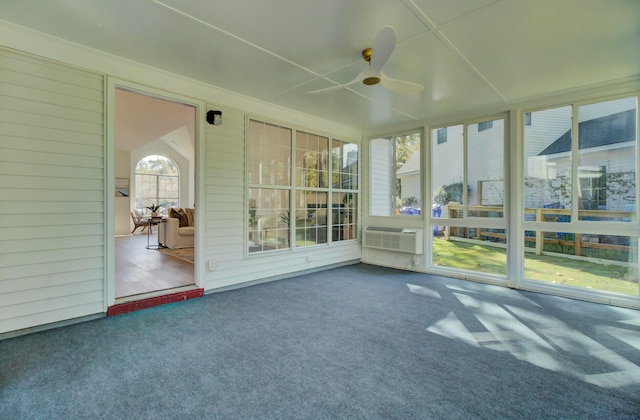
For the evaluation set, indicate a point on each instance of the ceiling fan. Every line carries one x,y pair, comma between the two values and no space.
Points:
377,56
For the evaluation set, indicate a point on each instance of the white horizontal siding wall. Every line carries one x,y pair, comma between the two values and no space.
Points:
51,192
380,177
226,217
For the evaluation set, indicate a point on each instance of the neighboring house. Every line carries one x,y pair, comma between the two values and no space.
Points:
606,168
409,176
484,145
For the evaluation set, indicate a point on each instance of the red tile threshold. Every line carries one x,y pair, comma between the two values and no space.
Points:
123,308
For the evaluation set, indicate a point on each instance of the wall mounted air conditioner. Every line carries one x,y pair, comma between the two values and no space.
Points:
393,239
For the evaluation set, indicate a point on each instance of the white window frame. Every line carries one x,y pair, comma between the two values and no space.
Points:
393,179
294,189
157,176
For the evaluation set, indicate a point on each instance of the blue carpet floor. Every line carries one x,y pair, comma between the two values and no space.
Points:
352,342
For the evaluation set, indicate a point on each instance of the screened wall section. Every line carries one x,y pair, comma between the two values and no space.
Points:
580,196
541,199
468,197
303,189
396,175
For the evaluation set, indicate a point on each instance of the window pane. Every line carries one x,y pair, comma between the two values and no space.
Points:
602,262
408,175
344,214
485,167
157,164
486,125
146,188
168,192
606,160
312,160
256,146
268,219
447,160
167,186
269,154
547,148
380,177
344,168
311,218
157,183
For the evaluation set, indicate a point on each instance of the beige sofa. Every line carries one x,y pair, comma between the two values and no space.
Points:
178,230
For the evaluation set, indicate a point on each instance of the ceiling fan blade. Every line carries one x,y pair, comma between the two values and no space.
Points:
330,88
383,45
400,86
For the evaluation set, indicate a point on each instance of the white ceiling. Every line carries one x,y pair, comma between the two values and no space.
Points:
140,120
469,54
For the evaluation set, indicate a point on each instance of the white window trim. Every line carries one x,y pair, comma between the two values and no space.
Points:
292,188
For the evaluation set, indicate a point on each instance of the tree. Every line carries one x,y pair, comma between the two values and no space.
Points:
446,193
406,146
156,164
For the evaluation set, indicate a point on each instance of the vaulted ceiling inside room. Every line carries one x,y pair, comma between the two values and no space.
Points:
468,54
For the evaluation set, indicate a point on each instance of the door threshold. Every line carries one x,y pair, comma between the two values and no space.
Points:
132,303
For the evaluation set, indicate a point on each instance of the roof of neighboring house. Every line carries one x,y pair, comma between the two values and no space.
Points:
410,167
611,129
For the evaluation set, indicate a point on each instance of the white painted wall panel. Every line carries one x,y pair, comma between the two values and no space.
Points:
70,267
52,110
51,192
63,310
47,70
45,244
49,280
33,144
39,232
48,134
380,177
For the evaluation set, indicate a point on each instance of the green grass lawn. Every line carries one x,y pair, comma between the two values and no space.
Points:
550,269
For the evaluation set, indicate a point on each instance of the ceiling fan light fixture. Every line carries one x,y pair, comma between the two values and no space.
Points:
372,80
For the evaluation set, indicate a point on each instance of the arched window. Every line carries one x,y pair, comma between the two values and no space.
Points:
157,182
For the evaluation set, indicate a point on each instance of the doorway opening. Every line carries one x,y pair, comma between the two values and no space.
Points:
154,167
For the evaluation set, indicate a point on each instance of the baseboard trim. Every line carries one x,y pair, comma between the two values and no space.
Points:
279,277
50,326
136,305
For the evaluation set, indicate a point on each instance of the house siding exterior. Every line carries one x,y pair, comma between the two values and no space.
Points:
52,195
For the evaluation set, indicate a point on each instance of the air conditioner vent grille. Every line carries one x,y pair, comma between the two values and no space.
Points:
393,239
